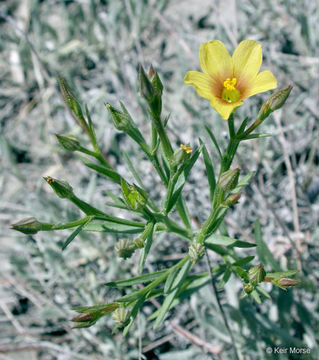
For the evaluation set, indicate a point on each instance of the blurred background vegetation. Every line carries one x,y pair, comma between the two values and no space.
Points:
97,46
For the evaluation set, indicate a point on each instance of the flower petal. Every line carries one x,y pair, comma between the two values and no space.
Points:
224,109
264,81
247,59
201,82
215,60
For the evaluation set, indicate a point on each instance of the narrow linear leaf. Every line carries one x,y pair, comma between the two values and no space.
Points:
111,227
256,297
212,136
243,261
216,239
137,280
172,294
132,170
182,179
209,171
242,126
282,274
255,136
170,279
263,252
243,244
225,278
75,233
263,292
133,314
146,248
112,174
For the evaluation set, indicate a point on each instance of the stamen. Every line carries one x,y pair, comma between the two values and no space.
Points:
230,93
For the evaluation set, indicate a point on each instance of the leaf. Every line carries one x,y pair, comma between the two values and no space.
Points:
216,239
255,136
147,246
112,174
133,314
244,181
172,294
170,279
243,244
225,278
111,227
75,233
263,252
209,171
243,261
217,249
180,182
255,296
231,126
241,273
282,274
263,292
242,126
183,212
212,136
137,280
132,169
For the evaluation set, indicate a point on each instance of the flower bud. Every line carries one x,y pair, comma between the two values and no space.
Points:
124,248
284,283
69,98
248,288
229,180
275,101
145,86
151,72
256,274
61,188
68,142
29,226
121,317
83,317
133,196
232,199
121,120
196,251
139,243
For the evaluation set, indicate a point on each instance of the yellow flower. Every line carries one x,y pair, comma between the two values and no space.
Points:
186,148
226,81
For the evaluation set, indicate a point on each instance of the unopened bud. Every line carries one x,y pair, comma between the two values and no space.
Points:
196,251
145,85
29,226
232,199
229,180
133,196
121,317
139,243
256,274
121,120
151,72
248,288
68,142
125,248
69,98
275,101
284,283
61,188
83,317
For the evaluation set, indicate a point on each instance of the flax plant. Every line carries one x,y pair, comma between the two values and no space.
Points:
225,82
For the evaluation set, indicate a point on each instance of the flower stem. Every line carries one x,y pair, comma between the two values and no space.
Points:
221,309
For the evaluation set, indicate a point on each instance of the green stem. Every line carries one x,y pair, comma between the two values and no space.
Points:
167,147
